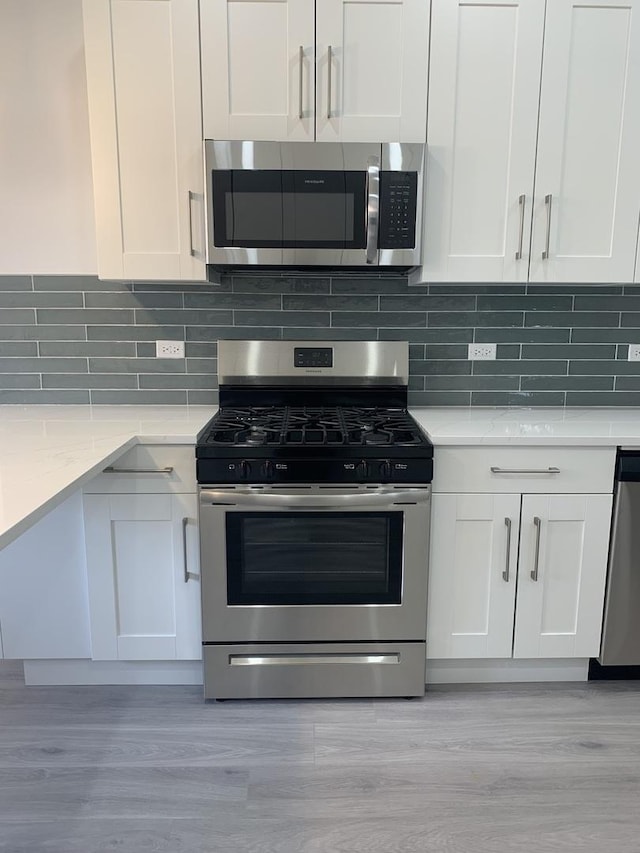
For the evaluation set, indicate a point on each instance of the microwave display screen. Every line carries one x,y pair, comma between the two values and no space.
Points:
289,209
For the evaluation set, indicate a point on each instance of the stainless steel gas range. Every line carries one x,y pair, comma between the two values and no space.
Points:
314,523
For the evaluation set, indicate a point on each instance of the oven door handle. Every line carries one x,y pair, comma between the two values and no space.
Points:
280,500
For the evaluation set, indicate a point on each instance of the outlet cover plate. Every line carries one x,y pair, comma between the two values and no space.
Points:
169,349
634,352
482,352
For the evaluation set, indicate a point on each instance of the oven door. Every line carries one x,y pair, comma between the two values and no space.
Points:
314,564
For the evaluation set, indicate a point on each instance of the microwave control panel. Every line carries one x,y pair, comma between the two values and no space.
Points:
398,193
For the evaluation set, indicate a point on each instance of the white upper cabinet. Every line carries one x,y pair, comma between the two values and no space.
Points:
483,106
372,59
563,561
587,194
500,113
304,70
258,69
145,114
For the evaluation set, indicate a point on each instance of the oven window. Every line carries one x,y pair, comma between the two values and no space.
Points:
314,557
289,209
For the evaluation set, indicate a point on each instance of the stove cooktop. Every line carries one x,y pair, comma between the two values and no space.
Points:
264,444
312,427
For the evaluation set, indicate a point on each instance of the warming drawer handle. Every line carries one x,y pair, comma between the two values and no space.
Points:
386,497
112,470
303,660
495,469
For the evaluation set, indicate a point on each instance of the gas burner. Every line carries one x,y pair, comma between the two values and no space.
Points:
380,427
252,426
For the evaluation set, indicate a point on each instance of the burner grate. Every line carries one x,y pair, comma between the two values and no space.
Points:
303,426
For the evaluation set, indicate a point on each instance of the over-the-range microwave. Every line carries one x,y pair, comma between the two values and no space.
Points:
308,204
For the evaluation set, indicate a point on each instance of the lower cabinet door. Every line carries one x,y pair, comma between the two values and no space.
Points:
143,576
472,575
563,564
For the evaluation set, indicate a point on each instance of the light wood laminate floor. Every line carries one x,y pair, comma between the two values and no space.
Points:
466,770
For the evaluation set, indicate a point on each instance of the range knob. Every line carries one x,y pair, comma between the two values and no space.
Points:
362,470
267,469
385,470
244,469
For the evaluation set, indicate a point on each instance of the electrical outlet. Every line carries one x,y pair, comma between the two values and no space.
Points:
482,352
634,352
169,349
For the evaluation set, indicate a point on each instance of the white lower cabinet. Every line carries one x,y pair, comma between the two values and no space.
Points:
551,548
564,542
143,575
472,575
43,588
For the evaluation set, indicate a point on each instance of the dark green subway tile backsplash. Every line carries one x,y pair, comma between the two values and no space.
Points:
74,339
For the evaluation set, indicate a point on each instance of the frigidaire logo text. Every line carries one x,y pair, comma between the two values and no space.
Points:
311,181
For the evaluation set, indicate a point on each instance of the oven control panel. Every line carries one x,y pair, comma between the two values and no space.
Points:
261,470
313,356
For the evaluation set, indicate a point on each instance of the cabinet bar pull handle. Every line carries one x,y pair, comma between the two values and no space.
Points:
521,205
112,470
329,63
301,60
185,522
497,470
536,557
547,202
505,574
191,249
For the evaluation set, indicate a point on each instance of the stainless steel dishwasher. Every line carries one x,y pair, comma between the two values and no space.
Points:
621,630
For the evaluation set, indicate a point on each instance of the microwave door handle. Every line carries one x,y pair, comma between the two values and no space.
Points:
373,208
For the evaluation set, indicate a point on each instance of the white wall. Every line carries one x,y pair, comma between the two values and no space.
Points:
46,199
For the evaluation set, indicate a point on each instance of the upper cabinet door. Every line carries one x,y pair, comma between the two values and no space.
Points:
371,75
588,172
258,69
143,80
484,76
564,542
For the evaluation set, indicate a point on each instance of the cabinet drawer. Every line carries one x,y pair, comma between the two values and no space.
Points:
144,471
528,470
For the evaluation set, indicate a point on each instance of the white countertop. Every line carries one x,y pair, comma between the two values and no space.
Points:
47,452
570,427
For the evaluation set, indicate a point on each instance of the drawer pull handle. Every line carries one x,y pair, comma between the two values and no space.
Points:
302,660
112,470
497,470
505,574
536,557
